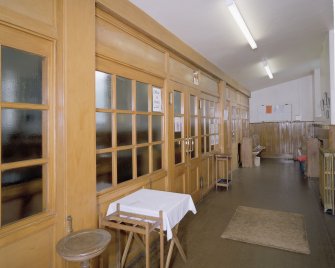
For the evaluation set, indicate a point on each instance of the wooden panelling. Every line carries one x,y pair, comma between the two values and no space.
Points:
183,73
35,15
34,250
147,25
281,139
121,46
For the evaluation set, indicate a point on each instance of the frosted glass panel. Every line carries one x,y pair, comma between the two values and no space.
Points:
141,97
193,126
157,157
156,128
124,129
124,166
193,105
21,76
178,127
177,152
21,135
103,90
104,171
104,130
142,128
21,193
177,103
123,93
142,161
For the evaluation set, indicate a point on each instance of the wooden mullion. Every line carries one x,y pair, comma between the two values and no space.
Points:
133,130
150,129
105,150
24,106
46,189
0,136
21,164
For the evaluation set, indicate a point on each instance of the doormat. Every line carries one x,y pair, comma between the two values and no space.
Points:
276,229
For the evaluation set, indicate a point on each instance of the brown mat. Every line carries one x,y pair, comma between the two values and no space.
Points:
277,229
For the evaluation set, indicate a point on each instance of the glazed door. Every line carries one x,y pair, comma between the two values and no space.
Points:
186,143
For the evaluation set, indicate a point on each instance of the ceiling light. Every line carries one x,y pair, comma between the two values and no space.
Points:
240,22
267,69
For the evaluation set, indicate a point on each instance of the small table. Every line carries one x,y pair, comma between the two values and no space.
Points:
145,203
227,173
83,245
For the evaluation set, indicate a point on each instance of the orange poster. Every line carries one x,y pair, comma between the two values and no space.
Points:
268,109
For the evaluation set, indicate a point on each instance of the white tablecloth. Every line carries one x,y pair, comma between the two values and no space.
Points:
150,202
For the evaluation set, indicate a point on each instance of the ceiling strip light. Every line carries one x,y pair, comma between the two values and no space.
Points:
267,69
240,22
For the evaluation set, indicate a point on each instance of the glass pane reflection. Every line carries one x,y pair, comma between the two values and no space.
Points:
123,93
124,129
141,97
142,161
21,76
103,89
21,135
157,157
103,130
124,166
104,171
21,193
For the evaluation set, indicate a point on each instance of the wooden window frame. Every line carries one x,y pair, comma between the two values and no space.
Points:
135,76
28,42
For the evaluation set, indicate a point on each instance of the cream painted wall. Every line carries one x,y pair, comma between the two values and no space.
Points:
298,93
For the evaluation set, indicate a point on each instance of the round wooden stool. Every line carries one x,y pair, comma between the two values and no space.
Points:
83,245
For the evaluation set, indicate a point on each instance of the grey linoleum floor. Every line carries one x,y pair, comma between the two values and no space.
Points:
276,185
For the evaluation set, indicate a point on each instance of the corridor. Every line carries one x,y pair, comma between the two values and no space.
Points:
276,185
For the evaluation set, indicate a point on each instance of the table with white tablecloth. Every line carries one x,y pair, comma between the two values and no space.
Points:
172,206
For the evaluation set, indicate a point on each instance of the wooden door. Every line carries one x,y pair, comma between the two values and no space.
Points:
184,140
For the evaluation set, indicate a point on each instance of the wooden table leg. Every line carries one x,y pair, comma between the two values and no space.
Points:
176,241
126,250
147,249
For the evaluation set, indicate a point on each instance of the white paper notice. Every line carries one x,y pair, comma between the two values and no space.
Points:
156,99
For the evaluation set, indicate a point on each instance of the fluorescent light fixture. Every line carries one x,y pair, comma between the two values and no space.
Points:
267,69
240,22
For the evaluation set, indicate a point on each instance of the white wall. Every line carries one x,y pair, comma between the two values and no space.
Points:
298,93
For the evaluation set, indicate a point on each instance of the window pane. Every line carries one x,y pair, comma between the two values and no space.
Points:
202,126
142,161
203,107
156,128
142,128
177,152
103,90
104,130
124,166
193,126
141,97
21,74
194,145
104,171
124,129
21,135
207,144
123,93
178,127
193,105
157,157
207,125
177,102
203,144
21,193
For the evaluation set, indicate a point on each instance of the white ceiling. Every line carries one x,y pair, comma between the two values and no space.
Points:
289,33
